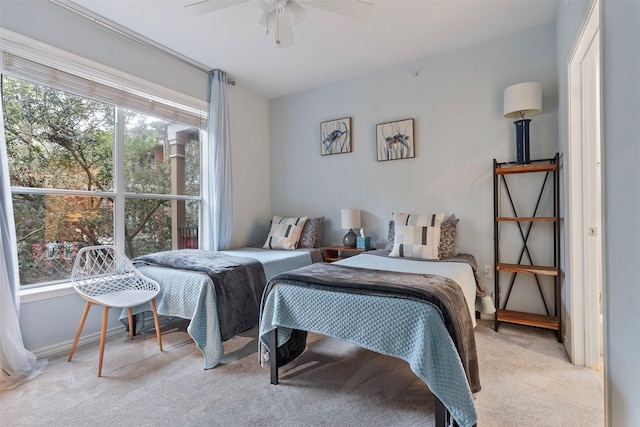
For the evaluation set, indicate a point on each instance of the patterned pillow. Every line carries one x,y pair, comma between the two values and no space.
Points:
391,236
415,220
423,220
448,231
416,241
312,233
284,233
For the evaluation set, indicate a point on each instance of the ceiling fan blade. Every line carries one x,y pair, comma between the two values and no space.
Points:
356,9
296,12
207,6
268,20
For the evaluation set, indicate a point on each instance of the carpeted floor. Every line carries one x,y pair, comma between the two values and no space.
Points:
526,377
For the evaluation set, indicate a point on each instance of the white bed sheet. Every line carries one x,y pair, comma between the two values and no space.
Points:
460,272
274,261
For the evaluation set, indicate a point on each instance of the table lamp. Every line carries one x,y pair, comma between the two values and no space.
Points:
520,100
350,218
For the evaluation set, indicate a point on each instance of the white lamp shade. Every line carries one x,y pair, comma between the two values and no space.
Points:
522,99
350,218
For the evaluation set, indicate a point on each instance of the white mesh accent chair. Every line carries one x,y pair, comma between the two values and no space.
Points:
103,275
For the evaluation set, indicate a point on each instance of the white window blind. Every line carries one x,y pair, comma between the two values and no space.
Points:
103,91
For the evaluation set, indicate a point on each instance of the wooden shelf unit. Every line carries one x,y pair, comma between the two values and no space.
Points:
552,320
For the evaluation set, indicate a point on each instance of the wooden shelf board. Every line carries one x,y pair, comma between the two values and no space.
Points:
526,168
527,218
346,249
337,253
520,268
527,319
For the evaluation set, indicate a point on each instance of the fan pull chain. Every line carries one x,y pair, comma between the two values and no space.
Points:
278,26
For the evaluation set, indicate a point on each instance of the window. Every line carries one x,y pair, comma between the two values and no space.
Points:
87,170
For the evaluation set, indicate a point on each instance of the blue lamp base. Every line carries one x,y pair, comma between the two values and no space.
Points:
522,141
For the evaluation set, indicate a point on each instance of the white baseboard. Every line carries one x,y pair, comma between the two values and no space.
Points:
65,346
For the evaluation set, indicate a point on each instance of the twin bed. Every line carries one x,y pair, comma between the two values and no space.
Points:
422,311
219,292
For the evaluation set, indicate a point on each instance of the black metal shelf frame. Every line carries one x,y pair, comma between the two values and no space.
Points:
525,263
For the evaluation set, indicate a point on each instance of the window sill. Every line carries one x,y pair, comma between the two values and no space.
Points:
46,292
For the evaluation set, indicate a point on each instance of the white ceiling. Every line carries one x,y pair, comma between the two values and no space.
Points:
327,47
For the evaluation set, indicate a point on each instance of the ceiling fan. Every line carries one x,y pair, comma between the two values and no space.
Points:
280,15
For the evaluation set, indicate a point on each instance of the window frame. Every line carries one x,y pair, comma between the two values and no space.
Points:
23,47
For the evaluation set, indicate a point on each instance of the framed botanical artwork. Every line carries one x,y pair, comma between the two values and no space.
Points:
394,140
335,136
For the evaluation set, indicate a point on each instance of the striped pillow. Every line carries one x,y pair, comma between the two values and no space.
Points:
432,220
284,233
417,235
413,241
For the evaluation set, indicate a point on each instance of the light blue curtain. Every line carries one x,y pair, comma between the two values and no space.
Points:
217,206
16,362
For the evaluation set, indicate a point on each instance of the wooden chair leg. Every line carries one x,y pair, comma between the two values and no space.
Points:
130,315
157,322
103,337
80,327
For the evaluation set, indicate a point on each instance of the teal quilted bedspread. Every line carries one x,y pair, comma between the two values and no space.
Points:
410,330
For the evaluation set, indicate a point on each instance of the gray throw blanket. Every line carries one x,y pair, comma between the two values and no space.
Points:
441,292
238,282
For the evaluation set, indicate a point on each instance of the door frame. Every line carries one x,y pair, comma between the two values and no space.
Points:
585,298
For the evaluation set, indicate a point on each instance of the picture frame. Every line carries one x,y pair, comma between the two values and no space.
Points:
335,136
394,140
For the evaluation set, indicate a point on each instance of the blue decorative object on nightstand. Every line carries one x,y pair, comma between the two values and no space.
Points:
363,242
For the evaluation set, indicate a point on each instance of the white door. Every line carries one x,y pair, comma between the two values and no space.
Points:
585,198
592,204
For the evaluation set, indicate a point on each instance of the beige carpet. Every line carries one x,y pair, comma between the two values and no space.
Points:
526,381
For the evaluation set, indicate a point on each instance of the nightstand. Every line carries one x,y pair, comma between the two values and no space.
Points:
336,253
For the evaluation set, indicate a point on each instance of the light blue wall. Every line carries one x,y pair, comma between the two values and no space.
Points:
621,73
456,100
